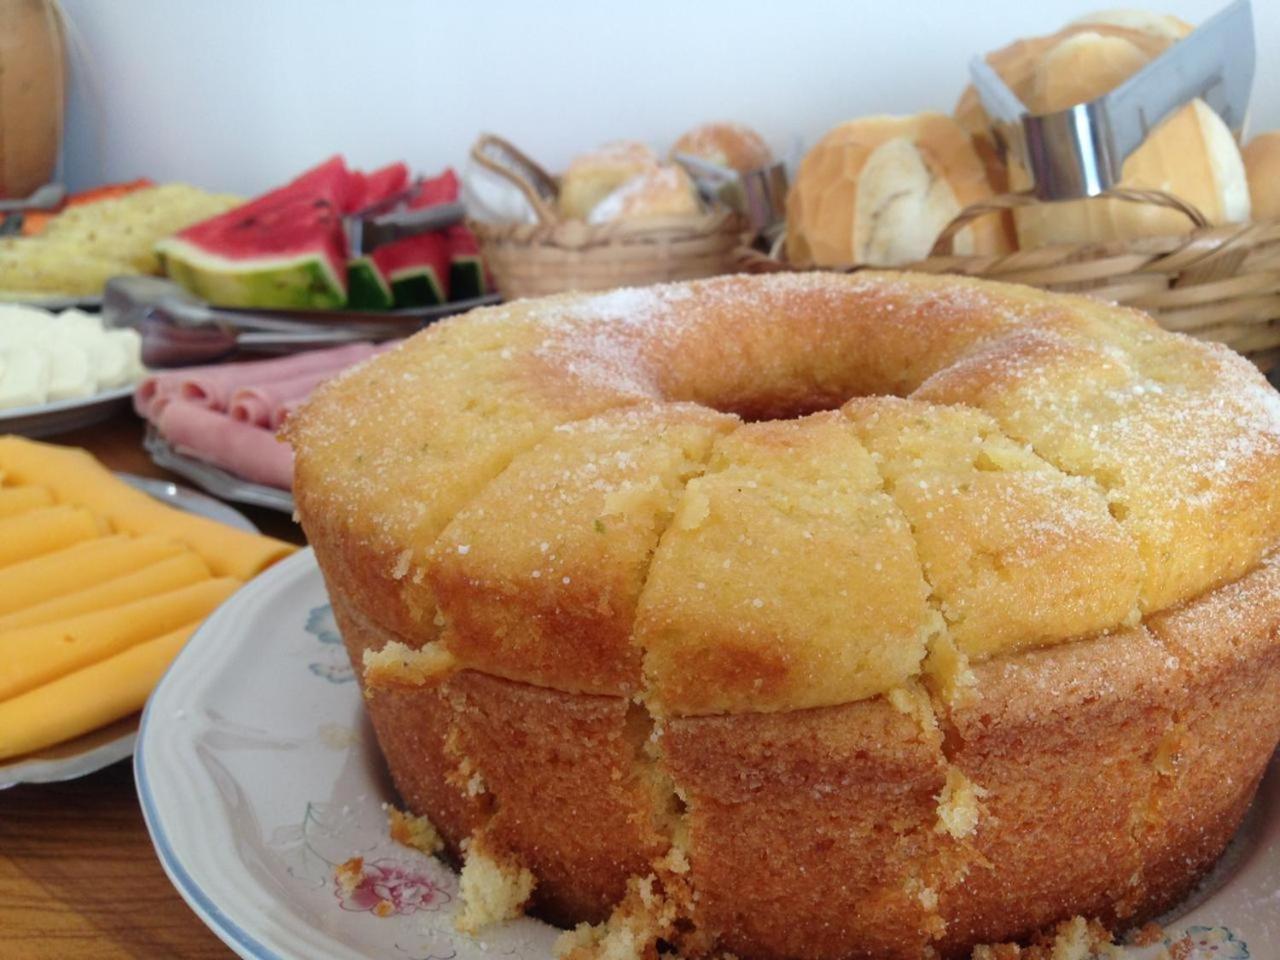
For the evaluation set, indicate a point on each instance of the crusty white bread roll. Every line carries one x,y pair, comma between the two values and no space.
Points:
662,191
1192,155
732,145
1080,67
1163,25
594,175
1262,166
879,190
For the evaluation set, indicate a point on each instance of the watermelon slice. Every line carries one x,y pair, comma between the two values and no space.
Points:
384,183
367,288
284,249
413,272
417,268
437,190
467,276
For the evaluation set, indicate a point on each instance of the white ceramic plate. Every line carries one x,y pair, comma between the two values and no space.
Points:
258,774
63,415
104,746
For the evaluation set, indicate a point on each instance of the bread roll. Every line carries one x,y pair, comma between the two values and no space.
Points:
663,191
1262,166
1192,154
879,190
730,145
1017,63
593,176
1157,25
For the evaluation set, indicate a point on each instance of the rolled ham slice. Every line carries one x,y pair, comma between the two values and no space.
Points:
212,386
266,404
240,448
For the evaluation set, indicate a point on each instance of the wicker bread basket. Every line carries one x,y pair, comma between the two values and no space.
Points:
1217,283
555,255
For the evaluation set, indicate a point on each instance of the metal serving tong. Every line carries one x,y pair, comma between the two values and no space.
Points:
1080,151
384,223
759,195
178,329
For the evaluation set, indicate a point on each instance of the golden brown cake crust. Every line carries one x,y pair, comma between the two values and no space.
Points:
1107,789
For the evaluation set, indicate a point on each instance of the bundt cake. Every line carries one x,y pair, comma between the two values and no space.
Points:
809,616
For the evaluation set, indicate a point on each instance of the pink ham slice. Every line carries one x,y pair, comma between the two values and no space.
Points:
240,448
212,386
264,404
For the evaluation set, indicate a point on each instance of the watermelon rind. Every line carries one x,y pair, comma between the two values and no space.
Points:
418,287
305,281
367,288
466,278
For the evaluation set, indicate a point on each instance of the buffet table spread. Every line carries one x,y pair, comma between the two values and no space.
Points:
78,875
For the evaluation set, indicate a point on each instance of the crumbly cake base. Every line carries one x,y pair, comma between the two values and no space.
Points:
1111,772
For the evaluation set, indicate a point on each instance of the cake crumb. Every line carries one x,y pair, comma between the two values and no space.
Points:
959,806
1074,939
348,874
1149,935
464,777
400,664
413,831
493,889
655,909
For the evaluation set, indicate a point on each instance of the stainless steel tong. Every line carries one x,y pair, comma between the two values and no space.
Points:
1080,151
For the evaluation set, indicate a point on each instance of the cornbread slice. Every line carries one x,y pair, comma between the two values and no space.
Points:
1017,553
1228,666
388,453
538,577
788,579
1093,708
1185,446
863,779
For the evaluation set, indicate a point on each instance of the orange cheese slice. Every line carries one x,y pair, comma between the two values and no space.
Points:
77,567
158,578
31,656
87,698
74,476
21,499
41,531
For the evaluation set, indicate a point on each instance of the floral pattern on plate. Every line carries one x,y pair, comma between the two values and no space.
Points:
1207,943
335,667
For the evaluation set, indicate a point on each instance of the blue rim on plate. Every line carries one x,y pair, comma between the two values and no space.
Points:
226,929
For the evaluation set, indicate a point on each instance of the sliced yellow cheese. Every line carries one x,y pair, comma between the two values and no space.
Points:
76,477
41,531
162,577
21,499
77,567
31,656
88,698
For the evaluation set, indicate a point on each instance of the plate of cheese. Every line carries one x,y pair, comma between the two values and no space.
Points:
61,371
102,579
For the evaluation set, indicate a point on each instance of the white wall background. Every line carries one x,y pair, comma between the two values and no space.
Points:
242,94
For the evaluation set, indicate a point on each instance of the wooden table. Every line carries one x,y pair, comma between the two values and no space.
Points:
78,876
